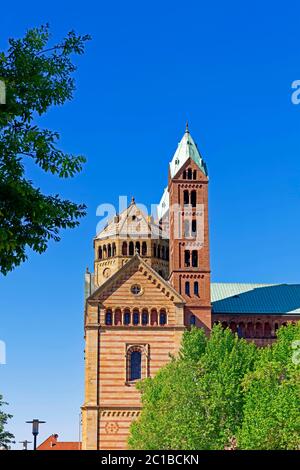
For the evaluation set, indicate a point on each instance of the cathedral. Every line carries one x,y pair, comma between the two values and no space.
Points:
151,281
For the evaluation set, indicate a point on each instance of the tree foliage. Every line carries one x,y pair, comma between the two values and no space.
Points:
195,402
36,76
221,390
6,438
272,406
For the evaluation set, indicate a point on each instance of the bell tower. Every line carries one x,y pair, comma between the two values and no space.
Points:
189,239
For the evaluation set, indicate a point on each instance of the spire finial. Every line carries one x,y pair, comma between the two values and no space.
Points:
187,127
132,199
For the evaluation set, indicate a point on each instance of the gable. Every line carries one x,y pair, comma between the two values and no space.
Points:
117,289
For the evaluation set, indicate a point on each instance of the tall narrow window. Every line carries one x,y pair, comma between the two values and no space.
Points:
189,174
108,317
162,318
158,251
196,288
187,288
194,174
100,252
193,198
192,320
187,256
131,248
144,249
136,317
104,252
126,319
154,250
167,254
109,250
195,258
114,251
138,247
194,228
124,249
145,317
184,174
186,198
118,317
135,371
163,252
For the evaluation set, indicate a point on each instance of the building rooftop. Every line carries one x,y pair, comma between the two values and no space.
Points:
186,149
265,299
244,298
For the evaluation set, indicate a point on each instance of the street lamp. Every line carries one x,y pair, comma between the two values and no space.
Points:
35,429
25,444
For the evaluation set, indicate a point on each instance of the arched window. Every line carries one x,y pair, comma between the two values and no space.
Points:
158,251
196,288
232,326
193,198
144,249
189,174
154,250
131,248
126,318
241,330
194,174
187,288
118,317
114,250
194,228
109,250
162,317
187,256
104,252
135,365
258,330
186,198
100,252
184,174
267,330
136,317
108,317
145,317
192,320
124,249
138,247
249,330
195,258
153,317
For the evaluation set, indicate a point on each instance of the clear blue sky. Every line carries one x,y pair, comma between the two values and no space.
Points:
227,67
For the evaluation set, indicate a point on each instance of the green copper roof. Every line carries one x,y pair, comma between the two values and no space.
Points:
186,149
265,299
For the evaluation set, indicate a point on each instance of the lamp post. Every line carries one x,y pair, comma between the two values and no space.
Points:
25,444
35,429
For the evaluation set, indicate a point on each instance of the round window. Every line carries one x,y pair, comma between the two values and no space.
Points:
136,289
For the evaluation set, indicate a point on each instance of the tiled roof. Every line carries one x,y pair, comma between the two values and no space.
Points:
268,299
51,443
